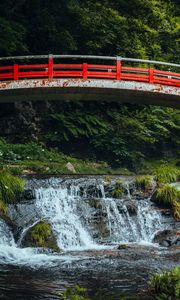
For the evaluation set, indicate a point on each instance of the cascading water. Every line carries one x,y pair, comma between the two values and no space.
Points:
68,206
69,211
60,207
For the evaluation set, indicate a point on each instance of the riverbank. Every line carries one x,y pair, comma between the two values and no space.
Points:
33,158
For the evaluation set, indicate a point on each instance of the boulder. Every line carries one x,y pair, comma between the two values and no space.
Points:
70,167
123,247
131,207
168,237
28,194
40,235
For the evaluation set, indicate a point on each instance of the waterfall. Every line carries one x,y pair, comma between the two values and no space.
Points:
83,215
67,208
59,206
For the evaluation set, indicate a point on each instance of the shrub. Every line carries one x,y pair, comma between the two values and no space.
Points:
167,285
143,182
10,186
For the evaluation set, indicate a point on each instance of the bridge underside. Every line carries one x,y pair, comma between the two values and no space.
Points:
90,89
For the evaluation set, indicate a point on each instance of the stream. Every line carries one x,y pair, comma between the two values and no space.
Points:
106,244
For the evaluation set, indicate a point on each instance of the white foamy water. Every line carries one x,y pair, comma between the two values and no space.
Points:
65,207
59,206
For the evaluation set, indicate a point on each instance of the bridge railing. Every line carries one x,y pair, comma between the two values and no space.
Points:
112,71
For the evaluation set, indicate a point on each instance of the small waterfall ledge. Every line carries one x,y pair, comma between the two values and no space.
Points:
83,215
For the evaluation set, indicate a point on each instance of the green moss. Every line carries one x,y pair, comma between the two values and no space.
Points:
143,182
41,235
166,285
10,186
169,197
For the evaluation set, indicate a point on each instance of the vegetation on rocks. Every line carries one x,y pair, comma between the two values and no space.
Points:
10,187
118,190
95,203
168,196
167,174
41,235
75,293
166,285
144,182
3,208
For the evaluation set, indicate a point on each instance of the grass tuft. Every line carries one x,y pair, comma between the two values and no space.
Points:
10,186
166,285
168,196
143,182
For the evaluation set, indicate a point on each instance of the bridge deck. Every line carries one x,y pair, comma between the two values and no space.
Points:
107,78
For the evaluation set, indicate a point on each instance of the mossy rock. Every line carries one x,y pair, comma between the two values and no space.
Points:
119,189
41,235
95,203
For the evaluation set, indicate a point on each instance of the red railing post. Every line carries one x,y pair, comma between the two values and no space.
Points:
50,67
85,69
118,69
15,72
151,75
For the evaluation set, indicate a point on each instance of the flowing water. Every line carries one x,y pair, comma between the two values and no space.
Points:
88,225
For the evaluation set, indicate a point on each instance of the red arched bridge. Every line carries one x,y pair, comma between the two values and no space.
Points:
80,77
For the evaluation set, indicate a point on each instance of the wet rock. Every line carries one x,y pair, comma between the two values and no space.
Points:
29,194
168,238
41,235
122,247
95,203
23,214
131,207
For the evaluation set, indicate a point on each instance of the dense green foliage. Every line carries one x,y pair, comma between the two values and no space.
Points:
167,285
34,158
121,135
139,28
